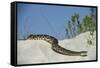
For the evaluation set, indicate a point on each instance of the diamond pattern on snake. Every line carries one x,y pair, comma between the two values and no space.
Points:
55,46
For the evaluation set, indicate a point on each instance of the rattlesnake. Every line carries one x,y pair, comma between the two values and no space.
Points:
55,47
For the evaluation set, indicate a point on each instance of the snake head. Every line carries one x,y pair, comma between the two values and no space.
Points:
83,53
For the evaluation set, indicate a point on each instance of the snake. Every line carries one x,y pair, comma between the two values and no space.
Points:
55,46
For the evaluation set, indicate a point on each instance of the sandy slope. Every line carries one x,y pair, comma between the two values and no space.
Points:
39,51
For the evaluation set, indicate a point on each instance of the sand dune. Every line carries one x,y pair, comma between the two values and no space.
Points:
39,51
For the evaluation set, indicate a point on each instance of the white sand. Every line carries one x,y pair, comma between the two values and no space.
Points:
39,51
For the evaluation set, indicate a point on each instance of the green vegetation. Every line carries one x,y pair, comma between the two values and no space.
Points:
75,27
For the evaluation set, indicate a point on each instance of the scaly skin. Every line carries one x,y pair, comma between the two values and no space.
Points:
55,47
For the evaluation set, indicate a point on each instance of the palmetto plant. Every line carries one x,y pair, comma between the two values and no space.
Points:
74,26
70,28
78,23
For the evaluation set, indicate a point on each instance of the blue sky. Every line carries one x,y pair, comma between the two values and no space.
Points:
46,19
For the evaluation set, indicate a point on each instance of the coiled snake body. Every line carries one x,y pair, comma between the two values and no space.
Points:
55,47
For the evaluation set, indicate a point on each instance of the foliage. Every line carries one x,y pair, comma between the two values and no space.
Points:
75,27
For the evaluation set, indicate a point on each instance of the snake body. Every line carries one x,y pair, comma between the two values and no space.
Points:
55,47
